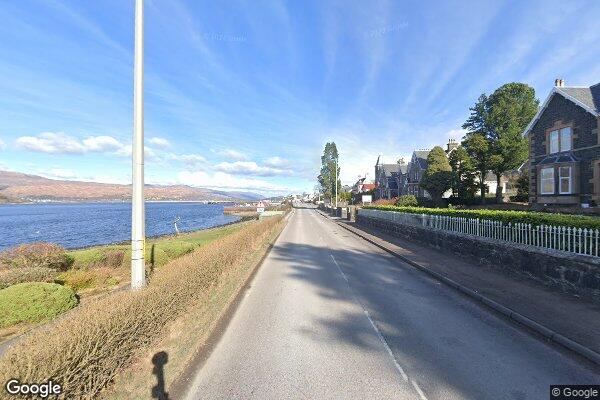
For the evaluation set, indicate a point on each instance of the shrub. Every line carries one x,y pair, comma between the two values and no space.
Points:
45,255
527,217
111,259
407,200
86,349
383,202
28,274
34,302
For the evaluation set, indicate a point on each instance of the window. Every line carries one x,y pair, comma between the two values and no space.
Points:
554,148
565,139
560,140
547,180
565,180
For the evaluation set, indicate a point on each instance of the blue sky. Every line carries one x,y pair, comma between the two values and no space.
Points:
244,94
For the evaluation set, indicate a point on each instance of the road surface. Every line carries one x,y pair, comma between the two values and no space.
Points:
330,316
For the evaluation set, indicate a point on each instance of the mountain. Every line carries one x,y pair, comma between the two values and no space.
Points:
18,187
249,196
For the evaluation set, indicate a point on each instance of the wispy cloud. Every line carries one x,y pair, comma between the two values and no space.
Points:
250,168
159,142
233,154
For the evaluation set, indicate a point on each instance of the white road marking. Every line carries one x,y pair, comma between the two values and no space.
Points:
380,335
418,389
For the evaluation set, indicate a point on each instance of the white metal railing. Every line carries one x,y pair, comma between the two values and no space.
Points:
562,238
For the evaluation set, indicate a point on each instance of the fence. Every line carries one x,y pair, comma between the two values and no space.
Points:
562,238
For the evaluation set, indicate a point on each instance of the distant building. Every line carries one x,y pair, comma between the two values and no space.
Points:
389,179
416,169
564,146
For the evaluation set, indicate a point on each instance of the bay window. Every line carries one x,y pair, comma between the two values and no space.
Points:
564,176
547,181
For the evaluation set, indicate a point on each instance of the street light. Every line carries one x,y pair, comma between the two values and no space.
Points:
138,230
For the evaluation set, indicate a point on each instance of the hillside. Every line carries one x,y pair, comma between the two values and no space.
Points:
18,187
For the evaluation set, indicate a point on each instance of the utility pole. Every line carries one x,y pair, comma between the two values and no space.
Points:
138,229
336,179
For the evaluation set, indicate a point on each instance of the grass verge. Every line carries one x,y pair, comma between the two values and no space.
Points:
86,349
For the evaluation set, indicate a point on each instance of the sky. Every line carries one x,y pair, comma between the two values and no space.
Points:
243,95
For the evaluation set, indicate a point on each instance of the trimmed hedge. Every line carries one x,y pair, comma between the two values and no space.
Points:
34,302
527,217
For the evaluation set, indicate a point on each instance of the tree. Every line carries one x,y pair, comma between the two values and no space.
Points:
437,178
326,178
499,120
511,107
477,148
463,174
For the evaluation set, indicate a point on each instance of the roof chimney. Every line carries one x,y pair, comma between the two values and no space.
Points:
452,144
558,82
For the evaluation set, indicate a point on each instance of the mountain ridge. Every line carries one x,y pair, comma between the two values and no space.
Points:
16,187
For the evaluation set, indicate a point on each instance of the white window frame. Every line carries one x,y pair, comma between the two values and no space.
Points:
569,178
570,139
546,179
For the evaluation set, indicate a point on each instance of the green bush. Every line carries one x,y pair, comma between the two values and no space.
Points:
34,302
30,274
35,255
407,200
527,217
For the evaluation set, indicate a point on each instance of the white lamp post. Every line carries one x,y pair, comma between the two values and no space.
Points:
138,230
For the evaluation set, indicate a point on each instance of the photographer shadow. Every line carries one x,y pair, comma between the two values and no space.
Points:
159,360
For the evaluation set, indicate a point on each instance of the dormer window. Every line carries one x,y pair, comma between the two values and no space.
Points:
560,140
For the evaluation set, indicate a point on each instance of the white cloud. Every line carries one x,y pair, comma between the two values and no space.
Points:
2,144
233,154
161,143
189,159
250,168
61,143
102,144
221,180
276,162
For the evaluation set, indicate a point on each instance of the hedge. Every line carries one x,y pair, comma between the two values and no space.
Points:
34,302
89,346
527,217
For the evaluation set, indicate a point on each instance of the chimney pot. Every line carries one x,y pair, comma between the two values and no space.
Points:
558,82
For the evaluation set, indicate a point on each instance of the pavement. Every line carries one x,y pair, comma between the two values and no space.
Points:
332,316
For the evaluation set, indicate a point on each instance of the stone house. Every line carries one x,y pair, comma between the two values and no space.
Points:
416,169
564,147
389,178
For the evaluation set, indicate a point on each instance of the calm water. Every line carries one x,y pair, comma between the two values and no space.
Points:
80,225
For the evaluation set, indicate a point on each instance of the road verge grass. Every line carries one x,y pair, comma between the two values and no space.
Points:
88,347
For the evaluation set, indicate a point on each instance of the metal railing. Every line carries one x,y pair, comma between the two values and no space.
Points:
562,238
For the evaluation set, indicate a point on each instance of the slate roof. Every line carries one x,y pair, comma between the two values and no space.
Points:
421,158
391,169
587,98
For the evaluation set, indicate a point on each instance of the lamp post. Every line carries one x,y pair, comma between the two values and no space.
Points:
138,230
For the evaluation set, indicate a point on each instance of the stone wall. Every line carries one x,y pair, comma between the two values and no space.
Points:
572,273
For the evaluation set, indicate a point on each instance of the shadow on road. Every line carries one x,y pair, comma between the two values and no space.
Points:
159,360
459,347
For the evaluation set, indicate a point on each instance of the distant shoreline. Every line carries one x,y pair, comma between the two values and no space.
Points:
204,202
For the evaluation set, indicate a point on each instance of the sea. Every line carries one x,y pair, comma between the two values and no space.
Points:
77,225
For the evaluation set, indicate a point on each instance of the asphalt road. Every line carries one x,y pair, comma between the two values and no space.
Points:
330,316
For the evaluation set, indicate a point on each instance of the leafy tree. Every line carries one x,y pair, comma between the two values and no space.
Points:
463,174
437,178
499,121
326,178
477,147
